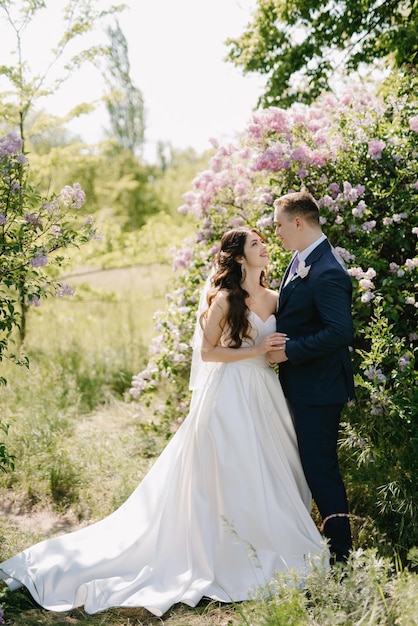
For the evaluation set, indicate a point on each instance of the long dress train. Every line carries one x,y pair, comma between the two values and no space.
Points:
223,508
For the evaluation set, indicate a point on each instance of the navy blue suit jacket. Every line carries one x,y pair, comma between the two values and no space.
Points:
315,313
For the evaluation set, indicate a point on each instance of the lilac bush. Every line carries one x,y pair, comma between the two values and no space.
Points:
34,231
358,155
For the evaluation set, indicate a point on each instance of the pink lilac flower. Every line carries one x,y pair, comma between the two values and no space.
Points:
413,123
366,284
350,193
415,230
182,258
398,217
393,267
356,272
55,230
415,185
370,273
411,264
410,300
376,147
358,211
73,196
387,221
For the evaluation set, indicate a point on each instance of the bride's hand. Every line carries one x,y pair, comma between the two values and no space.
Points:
275,341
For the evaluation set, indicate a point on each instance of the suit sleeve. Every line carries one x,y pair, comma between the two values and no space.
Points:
332,303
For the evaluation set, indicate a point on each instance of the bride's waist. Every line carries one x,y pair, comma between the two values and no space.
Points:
257,361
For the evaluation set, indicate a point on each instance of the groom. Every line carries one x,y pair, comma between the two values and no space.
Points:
315,367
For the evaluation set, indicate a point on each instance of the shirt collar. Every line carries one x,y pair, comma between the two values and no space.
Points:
303,255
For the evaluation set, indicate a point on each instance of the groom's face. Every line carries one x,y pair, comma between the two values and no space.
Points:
286,229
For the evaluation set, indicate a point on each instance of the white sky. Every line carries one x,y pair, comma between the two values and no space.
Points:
176,50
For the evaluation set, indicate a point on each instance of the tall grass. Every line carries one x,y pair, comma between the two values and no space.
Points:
83,352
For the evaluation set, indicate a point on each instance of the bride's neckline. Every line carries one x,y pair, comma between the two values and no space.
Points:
260,318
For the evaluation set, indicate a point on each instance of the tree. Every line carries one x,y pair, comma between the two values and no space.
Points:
80,18
124,103
299,44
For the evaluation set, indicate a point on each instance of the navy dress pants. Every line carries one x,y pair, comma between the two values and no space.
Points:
317,432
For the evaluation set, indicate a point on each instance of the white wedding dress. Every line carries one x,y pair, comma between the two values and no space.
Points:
223,508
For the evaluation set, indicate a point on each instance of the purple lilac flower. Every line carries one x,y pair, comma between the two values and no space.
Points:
33,300
10,144
39,260
344,254
3,220
64,290
368,226
404,361
34,220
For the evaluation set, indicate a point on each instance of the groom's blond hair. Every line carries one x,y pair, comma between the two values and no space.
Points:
299,203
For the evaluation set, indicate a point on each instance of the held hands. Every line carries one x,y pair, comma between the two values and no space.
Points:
276,352
274,344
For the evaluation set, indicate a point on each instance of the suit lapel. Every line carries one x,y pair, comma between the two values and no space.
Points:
286,274
285,291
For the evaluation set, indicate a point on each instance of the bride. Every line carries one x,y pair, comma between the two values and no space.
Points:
226,504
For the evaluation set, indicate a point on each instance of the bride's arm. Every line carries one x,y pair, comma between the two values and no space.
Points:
213,351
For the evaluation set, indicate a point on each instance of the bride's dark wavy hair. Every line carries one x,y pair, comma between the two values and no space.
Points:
228,276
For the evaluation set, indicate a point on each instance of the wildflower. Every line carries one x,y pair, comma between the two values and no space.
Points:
3,220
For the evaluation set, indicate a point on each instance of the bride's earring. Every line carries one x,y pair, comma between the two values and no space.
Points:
242,271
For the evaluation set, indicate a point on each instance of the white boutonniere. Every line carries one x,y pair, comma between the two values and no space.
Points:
302,271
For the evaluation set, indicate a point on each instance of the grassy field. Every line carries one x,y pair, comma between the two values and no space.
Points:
81,450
